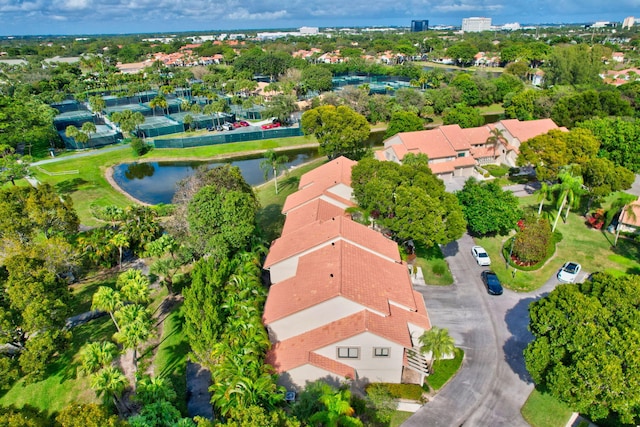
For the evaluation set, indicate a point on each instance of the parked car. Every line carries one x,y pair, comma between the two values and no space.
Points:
491,282
228,126
569,272
236,125
481,256
219,128
244,123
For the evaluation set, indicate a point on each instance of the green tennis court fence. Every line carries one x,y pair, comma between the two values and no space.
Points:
226,137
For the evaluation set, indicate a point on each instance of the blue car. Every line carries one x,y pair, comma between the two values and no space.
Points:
492,282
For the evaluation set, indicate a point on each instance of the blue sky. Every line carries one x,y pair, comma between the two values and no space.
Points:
33,17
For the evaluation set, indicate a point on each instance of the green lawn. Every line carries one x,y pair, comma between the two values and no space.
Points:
543,410
593,249
270,219
64,383
444,370
89,186
434,267
399,417
171,357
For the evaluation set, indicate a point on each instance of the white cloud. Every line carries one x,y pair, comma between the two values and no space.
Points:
244,14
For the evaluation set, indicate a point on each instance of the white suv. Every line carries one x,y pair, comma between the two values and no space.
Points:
481,256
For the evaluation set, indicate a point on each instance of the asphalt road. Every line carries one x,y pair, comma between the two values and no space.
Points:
492,384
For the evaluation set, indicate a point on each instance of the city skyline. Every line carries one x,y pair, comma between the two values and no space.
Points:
82,17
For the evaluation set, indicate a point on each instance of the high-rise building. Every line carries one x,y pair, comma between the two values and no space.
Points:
476,24
628,22
417,26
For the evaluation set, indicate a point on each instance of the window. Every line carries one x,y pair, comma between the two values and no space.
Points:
348,352
461,154
381,351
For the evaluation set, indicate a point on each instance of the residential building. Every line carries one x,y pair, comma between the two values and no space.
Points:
629,220
476,24
418,26
341,303
453,151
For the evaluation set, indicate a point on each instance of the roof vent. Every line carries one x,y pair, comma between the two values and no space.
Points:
330,274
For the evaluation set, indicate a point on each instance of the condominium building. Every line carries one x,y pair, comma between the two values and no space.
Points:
476,24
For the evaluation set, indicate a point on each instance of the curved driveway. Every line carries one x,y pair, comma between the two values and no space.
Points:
492,384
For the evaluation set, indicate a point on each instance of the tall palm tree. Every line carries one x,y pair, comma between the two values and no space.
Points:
569,189
120,241
496,136
109,382
438,342
97,355
273,162
135,329
543,194
88,128
109,300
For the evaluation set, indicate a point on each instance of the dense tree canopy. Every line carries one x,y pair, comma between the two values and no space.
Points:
408,199
487,208
339,130
584,348
463,115
403,121
555,149
619,140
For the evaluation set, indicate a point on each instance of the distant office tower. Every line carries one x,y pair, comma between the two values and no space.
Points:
628,22
475,24
417,26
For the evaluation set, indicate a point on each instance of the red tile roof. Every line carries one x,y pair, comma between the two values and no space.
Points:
319,181
478,135
455,137
317,210
319,233
311,193
341,269
299,350
336,171
633,219
431,142
528,129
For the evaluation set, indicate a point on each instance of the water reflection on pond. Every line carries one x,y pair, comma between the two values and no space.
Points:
155,182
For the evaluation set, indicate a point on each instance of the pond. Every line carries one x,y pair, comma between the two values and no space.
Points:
155,182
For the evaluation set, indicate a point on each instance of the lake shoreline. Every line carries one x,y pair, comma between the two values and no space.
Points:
109,171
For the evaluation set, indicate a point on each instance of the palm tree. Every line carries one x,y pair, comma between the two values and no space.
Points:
121,241
150,390
338,410
88,128
109,382
438,342
495,138
97,355
569,188
136,328
273,162
109,300
134,286
543,194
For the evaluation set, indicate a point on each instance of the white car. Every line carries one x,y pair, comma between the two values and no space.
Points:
481,256
569,272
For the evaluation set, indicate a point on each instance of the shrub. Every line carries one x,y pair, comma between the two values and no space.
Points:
497,171
532,242
139,147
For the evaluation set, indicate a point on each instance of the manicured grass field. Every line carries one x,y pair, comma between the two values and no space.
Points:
543,410
434,267
399,417
593,249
